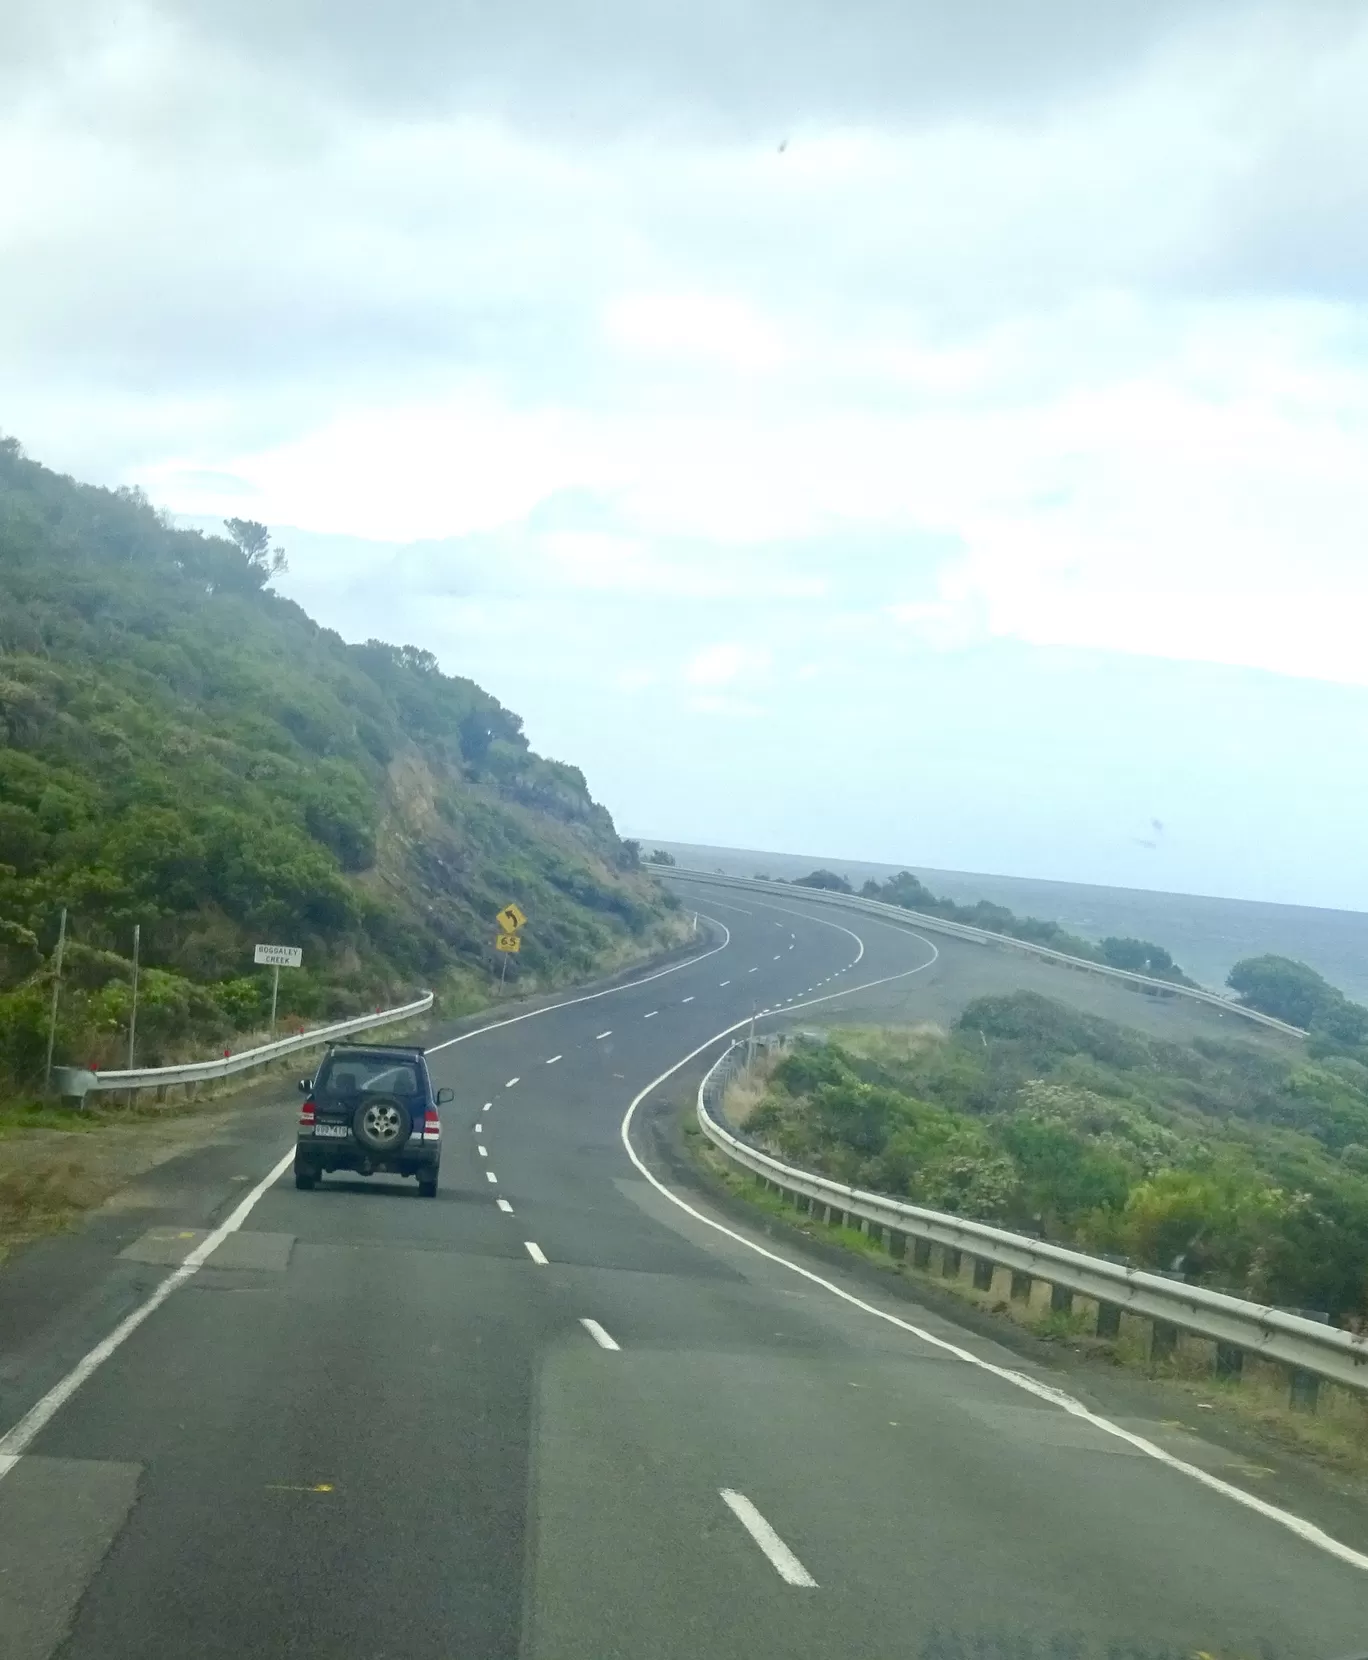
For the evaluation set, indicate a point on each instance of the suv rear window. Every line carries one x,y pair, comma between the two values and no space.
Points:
346,1076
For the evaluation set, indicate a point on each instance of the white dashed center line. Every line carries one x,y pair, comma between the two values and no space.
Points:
752,971
504,1205
782,1559
484,1151
776,956
486,1106
490,1176
602,1035
598,1334
554,1059
652,1015
722,983
686,1000
539,1257
510,1083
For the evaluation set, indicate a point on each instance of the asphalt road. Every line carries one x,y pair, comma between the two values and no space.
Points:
555,1414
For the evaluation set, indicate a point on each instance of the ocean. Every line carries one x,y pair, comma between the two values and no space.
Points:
1206,935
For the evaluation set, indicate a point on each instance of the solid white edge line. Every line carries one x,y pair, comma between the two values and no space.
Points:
598,1334
535,1252
504,1206
593,996
1308,1532
781,1558
490,1176
20,1435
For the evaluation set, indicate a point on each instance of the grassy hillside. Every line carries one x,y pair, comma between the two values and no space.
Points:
1244,1168
183,749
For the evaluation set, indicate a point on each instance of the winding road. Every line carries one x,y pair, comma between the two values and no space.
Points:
571,1411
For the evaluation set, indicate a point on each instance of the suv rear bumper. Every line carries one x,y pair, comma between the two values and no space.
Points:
413,1157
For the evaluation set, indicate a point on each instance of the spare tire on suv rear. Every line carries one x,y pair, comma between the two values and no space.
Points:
382,1124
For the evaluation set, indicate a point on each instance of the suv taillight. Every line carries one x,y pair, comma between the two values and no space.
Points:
306,1114
432,1124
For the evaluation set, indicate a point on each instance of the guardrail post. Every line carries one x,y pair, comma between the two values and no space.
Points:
1061,1299
1163,1340
803,1203
1305,1390
1229,1362
950,1262
1021,1286
921,1253
897,1244
1108,1320
983,1274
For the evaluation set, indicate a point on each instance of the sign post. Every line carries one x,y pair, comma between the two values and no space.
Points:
509,920
133,1013
56,997
278,957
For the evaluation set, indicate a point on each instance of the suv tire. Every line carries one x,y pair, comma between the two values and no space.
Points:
305,1180
427,1186
382,1124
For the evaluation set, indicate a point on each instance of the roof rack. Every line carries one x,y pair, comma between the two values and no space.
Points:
360,1043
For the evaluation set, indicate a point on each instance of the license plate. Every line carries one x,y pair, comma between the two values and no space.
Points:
341,1131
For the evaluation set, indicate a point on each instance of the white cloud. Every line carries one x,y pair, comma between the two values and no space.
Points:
1053,332
708,327
719,665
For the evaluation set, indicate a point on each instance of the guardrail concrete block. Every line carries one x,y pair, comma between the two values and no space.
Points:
897,1244
1108,1320
950,1262
1061,1299
921,1253
983,1274
1021,1287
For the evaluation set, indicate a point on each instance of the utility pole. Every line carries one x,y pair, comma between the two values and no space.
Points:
56,995
133,1016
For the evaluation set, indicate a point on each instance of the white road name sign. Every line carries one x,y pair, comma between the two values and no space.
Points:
282,956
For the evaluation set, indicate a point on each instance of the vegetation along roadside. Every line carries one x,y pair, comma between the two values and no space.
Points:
1233,1165
184,751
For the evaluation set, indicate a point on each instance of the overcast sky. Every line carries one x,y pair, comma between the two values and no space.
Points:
906,430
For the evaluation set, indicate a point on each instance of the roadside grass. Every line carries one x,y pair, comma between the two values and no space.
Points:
746,1091
1335,1436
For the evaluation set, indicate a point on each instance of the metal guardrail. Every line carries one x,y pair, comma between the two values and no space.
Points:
77,1082
985,936
1305,1345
